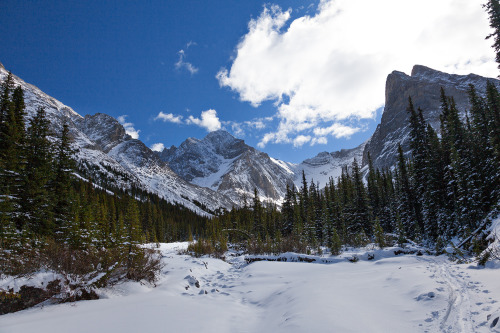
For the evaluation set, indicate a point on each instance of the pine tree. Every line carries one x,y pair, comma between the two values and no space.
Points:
287,211
362,217
35,198
257,214
409,213
335,243
11,140
5,101
493,9
378,233
64,167
373,189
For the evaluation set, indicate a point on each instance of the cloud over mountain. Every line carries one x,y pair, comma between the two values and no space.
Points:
326,72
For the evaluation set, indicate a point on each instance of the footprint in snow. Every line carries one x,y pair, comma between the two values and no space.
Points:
493,319
192,281
426,297
434,314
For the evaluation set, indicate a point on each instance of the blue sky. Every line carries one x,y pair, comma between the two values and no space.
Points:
293,78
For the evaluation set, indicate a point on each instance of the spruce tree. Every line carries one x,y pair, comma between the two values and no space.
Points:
287,211
257,214
64,167
36,203
362,216
493,9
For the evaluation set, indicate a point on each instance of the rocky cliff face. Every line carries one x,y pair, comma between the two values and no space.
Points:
229,166
423,86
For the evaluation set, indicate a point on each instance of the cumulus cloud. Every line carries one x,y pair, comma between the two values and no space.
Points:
337,130
169,117
239,129
181,63
157,147
326,72
209,120
129,127
300,140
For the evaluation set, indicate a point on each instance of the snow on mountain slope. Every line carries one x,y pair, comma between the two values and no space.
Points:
229,166
105,150
327,165
404,293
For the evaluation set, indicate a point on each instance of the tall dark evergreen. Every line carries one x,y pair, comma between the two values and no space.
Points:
287,211
362,217
493,9
408,209
257,214
36,198
62,183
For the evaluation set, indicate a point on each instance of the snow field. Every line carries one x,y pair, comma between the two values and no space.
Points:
405,293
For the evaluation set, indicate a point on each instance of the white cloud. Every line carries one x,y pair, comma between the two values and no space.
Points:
337,130
319,141
236,128
209,120
169,117
181,63
129,127
300,140
328,70
239,128
157,147
257,124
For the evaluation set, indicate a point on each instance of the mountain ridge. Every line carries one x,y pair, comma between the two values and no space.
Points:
105,150
222,171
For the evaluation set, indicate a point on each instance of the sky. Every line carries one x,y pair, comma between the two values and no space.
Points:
292,78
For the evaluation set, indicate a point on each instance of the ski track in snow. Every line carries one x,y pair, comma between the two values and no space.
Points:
466,310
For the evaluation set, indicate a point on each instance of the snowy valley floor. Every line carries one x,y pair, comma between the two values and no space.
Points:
405,293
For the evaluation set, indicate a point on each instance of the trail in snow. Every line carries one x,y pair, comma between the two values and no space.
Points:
468,308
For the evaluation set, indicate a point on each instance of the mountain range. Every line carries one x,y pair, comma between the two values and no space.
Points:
221,171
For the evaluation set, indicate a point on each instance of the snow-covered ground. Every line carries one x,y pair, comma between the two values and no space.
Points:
405,293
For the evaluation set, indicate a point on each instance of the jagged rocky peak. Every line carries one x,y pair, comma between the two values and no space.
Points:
320,159
423,86
225,144
104,130
229,166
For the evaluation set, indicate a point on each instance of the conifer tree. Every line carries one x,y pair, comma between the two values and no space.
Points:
35,198
64,167
335,244
287,211
493,9
257,214
362,216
